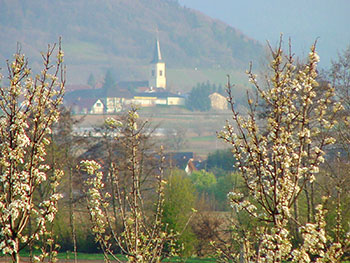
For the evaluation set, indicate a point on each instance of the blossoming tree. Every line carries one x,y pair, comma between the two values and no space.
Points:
277,158
29,106
117,207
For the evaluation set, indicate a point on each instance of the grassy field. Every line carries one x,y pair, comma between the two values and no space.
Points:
98,258
86,51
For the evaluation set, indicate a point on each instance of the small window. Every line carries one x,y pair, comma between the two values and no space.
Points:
160,72
99,104
153,73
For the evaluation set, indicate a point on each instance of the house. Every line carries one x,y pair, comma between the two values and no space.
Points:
115,99
178,159
85,106
175,100
190,167
81,101
195,165
218,101
98,107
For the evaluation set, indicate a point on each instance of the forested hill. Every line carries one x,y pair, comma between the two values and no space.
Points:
120,34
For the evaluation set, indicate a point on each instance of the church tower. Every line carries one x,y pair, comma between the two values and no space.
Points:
157,77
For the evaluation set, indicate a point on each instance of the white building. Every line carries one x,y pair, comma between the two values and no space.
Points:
157,77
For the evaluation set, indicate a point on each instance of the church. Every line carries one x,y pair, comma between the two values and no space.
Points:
150,93
157,77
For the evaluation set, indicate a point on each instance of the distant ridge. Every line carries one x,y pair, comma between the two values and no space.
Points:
120,34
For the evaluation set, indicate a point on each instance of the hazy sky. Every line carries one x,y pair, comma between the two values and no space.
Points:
302,20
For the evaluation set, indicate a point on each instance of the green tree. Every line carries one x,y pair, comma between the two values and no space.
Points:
180,199
91,81
221,90
198,98
224,185
203,181
109,81
221,159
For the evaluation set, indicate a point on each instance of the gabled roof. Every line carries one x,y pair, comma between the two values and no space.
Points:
82,103
75,95
118,93
157,55
216,94
190,167
178,159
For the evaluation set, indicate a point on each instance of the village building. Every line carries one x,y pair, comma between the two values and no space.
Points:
164,98
218,101
98,107
116,99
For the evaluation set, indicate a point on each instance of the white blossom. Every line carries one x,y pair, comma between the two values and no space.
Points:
143,238
29,107
278,156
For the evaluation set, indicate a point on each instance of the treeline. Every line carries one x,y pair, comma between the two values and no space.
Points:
198,98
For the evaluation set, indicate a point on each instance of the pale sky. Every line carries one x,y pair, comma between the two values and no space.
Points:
302,20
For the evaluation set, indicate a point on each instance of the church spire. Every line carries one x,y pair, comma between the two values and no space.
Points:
157,56
157,69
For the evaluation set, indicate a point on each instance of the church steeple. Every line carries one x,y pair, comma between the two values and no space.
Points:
157,55
157,77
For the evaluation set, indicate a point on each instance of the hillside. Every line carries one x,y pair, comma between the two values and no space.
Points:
119,35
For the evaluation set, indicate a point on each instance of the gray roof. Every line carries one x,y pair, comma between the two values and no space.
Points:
118,93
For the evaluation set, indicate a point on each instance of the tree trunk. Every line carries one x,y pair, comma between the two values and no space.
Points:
312,202
71,213
296,217
15,255
308,203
